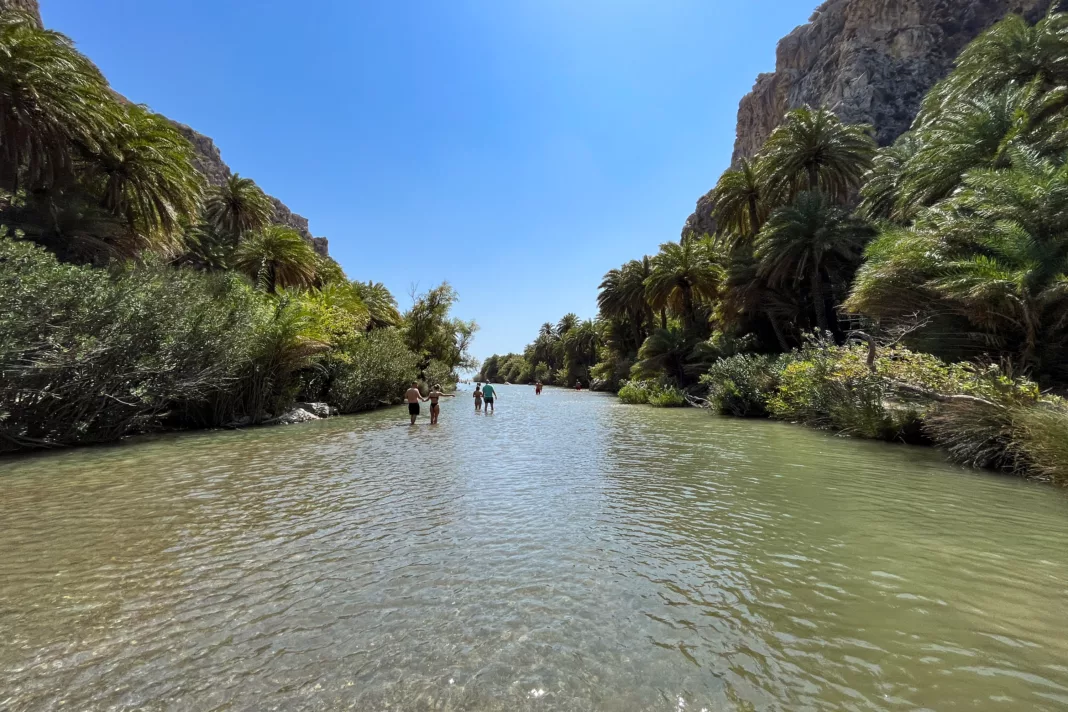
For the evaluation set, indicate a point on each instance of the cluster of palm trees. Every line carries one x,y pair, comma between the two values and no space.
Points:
974,204
563,354
957,233
94,178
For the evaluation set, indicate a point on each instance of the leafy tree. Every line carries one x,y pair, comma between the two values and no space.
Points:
622,299
811,240
238,206
54,104
812,150
277,257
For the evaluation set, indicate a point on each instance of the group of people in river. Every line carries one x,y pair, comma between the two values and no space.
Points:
483,395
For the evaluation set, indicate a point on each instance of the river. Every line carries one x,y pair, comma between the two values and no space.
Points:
565,553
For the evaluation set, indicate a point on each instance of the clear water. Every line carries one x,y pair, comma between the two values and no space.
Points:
567,553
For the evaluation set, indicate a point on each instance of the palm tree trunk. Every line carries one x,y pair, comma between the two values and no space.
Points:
813,177
819,301
777,327
663,318
754,218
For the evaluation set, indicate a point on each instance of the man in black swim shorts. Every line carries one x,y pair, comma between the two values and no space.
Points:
413,396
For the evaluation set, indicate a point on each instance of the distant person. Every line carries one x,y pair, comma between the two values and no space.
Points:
413,396
537,388
478,397
435,408
578,385
490,395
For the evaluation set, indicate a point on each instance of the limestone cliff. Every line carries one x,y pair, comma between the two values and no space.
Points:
871,61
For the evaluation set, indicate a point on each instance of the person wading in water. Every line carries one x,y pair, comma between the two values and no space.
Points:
478,397
435,407
413,396
490,394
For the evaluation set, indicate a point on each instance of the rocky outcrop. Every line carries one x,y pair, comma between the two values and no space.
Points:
209,161
871,61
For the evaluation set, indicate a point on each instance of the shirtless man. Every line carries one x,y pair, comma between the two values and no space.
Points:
413,396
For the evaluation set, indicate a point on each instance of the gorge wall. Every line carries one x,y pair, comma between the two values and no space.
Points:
209,159
871,61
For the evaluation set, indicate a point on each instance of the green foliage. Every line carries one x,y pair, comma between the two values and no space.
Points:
812,150
276,257
741,385
236,207
88,356
433,335
667,397
375,370
54,105
635,392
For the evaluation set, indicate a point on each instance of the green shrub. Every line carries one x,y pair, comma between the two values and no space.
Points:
88,355
667,397
377,369
634,392
741,385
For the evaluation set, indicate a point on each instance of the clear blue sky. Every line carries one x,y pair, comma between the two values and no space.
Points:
517,148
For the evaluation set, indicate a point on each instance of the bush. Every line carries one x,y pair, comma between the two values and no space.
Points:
88,355
741,385
377,369
634,392
667,397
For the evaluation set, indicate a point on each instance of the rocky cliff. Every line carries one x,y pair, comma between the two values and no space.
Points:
209,162
209,159
872,61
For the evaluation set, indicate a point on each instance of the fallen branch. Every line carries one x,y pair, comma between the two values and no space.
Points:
942,397
697,402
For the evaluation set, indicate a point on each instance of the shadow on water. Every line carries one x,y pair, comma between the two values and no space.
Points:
565,553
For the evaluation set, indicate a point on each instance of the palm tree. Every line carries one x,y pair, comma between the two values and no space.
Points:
380,303
813,150
238,206
666,351
1011,53
622,297
683,274
746,293
882,189
275,257
54,104
740,203
1011,277
581,344
566,324
146,176
974,132
810,238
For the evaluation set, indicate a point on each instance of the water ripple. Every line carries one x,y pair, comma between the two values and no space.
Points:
566,553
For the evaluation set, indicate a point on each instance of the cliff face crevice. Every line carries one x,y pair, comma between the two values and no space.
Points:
871,61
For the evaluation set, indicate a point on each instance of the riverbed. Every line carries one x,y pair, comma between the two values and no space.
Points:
565,553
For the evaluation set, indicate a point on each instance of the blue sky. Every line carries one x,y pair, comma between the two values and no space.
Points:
517,148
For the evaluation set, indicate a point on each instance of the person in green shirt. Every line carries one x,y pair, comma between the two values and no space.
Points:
489,395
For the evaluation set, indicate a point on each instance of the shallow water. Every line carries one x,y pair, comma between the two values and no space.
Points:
566,553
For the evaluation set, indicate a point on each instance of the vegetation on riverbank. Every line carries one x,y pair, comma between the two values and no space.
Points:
916,292
135,297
